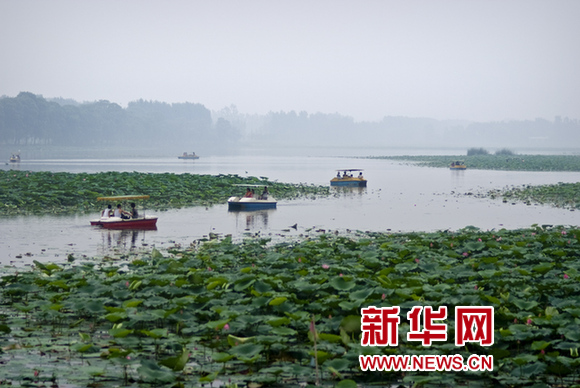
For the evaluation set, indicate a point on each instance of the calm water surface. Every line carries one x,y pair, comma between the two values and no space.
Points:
399,197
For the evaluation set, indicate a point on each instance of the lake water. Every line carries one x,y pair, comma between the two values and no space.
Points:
399,197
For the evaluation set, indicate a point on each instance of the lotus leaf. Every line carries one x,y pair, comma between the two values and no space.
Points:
247,351
151,372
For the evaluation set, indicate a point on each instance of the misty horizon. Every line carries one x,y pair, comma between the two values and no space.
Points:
30,119
232,109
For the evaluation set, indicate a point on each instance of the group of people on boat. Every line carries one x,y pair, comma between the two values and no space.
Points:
119,212
250,193
348,175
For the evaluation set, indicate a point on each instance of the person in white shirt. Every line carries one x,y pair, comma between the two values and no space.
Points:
107,212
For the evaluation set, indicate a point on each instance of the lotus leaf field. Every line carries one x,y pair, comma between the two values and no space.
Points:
498,162
24,192
259,313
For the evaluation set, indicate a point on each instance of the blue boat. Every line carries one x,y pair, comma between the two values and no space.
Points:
347,179
237,203
251,201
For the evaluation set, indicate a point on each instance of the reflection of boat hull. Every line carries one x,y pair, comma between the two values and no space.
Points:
147,222
248,204
348,182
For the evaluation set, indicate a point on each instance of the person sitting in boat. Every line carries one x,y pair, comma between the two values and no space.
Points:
360,175
119,212
134,213
338,175
248,193
265,193
107,212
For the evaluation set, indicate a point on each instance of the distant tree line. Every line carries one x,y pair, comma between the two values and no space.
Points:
305,129
30,119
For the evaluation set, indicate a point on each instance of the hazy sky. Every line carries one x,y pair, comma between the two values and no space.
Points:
458,59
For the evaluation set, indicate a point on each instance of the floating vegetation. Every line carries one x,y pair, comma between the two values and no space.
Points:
288,313
498,162
564,195
23,192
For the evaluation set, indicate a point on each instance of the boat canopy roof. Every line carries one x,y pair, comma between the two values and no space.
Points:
350,169
122,197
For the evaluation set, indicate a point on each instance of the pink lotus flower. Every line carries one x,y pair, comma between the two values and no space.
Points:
479,239
340,274
515,320
465,254
564,232
325,266
209,268
529,322
312,327
126,284
416,260
300,260
226,327
383,297
475,287
566,276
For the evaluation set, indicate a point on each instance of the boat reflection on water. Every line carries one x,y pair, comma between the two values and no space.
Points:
252,220
346,191
123,240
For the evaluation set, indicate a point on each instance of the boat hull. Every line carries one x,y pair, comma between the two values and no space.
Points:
458,168
249,204
145,223
188,157
348,182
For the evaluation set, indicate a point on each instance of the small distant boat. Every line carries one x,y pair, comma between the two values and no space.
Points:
252,201
458,165
15,158
188,156
142,222
346,179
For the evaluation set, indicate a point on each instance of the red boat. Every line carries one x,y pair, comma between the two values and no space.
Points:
143,222
148,222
